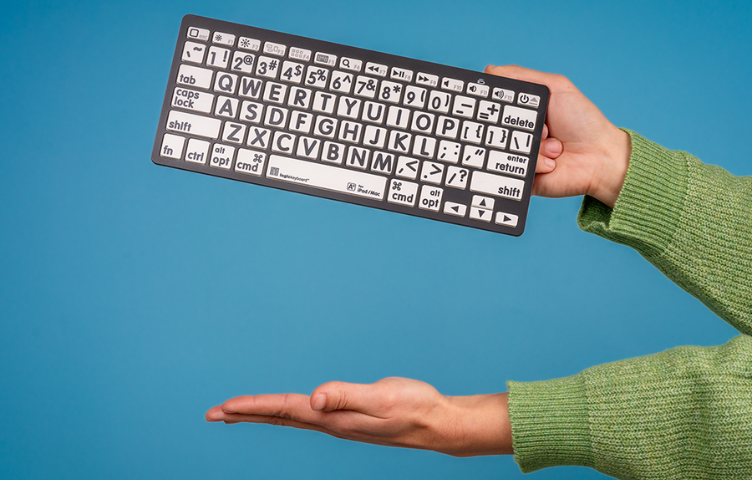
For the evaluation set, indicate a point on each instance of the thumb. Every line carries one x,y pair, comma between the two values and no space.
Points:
343,396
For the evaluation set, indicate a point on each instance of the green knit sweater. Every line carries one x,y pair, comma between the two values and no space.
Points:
685,413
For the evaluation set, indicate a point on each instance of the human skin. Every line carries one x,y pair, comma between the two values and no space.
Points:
582,153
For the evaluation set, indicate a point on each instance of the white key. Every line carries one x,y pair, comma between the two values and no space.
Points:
201,34
172,146
300,97
251,112
350,131
192,100
390,91
267,67
227,107
508,163
473,156
472,132
341,82
463,106
197,151
193,52
452,84
430,198
382,162
503,95
250,162
521,142
422,123
373,112
218,57
497,137
326,177
402,193
316,76
424,146
449,151
439,101
447,127
427,79
483,202
506,219
250,87
301,122
457,177
481,214
292,72
225,83
275,93
399,141
251,44
497,185
221,156
477,89
398,117
351,64
358,157
325,59
283,142
324,102
432,172
348,108
365,86
407,167
376,69
233,132
527,100
519,117
225,39
374,136
300,54
276,49
308,147
456,209
414,96
259,137
325,127
401,74
333,153
489,111
195,77
193,124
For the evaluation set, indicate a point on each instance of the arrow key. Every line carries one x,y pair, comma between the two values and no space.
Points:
483,202
456,209
506,219
481,214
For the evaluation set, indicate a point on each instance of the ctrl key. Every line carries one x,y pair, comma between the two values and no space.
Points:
197,151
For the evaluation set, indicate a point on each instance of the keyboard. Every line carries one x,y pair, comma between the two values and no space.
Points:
350,124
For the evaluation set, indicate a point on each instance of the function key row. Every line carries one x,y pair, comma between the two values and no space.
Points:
477,89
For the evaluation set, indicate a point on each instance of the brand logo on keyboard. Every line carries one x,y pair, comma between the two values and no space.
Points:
351,186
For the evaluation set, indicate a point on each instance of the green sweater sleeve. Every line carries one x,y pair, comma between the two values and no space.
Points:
685,413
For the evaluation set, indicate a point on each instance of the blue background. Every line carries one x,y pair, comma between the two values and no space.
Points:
134,297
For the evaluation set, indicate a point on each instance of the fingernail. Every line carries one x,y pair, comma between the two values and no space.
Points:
550,163
320,402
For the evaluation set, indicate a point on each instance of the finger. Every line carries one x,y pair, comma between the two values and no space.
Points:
272,420
289,405
521,73
345,396
551,147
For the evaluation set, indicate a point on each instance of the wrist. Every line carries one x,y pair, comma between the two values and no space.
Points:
480,425
617,149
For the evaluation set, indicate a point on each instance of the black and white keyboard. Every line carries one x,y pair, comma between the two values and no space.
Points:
350,124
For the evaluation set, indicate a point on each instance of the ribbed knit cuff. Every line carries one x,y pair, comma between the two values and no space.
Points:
550,423
648,209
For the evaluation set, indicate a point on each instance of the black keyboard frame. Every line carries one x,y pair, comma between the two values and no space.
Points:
519,208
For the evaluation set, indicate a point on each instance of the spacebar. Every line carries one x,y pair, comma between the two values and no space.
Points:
326,177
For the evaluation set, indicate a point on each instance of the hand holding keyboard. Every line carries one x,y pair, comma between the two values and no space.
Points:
350,124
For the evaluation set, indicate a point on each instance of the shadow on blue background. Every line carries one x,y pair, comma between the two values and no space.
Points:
135,297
